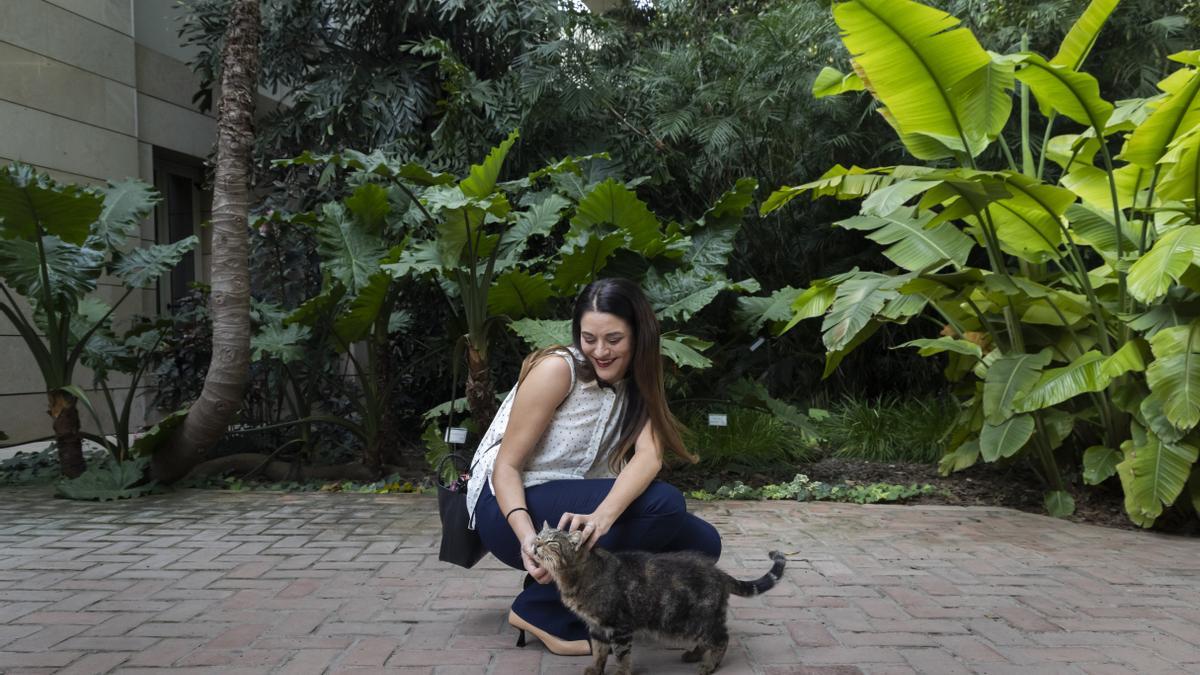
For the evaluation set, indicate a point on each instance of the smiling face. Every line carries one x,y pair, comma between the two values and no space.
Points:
607,341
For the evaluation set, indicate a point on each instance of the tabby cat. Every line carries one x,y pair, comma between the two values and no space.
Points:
681,596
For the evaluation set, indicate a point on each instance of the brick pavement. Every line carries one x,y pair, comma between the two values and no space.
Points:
338,583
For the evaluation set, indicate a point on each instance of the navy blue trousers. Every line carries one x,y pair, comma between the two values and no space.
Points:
656,521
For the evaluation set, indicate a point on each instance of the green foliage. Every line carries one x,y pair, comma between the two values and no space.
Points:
802,489
108,481
30,468
1048,326
888,429
752,440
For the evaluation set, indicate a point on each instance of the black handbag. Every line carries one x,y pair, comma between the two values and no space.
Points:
460,545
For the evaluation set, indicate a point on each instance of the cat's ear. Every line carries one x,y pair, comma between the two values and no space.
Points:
576,538
545,526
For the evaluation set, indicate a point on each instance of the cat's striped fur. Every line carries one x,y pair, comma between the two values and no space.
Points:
681,596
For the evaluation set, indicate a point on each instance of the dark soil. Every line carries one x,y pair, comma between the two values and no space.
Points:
981,485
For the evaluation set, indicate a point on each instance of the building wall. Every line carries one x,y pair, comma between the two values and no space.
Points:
90,91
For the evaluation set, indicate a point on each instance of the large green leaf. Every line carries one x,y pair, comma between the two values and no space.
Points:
1151,276
1177,113
537,220
540,333
517,294
1059,89
1175,374
679,295
1084,374
348,251
142,266
753,311
1005,439
1094,227
1153,474
1079,40
29,201
839,182
857,300
913,244
281,342
685,350
1028,223
1008,377
72,270
612,203
126,204
931,346
1059,503
710,248
1100,463
369,204
317,309
364,310
482,178
963,457
583,257
812,302
913,58
1181,180
730,208
831,81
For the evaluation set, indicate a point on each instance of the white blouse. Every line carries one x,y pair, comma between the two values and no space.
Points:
570,448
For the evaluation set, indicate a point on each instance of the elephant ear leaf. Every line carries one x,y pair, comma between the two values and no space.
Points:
125,204
482,178
543,333
281,342
32,205
141,267
517,293
71,270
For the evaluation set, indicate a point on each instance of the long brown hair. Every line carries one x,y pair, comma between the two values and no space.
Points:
646,396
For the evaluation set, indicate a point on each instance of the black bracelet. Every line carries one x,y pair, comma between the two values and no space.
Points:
519,508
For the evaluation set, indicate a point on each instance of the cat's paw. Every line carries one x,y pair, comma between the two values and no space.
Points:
693,655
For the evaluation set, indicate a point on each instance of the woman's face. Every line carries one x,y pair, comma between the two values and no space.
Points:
607,341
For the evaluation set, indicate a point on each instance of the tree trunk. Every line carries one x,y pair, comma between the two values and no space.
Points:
481,395
229,370
66,433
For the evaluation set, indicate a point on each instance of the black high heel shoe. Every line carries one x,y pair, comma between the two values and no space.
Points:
526,583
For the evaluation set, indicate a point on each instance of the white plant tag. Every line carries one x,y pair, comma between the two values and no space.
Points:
456,435
715,420
757,343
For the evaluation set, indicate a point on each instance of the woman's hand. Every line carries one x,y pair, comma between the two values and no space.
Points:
593,526
540,574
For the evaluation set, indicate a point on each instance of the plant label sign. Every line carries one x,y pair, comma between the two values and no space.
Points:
718,420
456,435
757,343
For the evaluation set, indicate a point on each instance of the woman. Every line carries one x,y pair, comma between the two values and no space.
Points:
578,443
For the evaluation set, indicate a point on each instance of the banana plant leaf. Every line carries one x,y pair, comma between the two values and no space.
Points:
855,303
1175,114
1100,463
1005,439
831,82
1151,276
1084,374
1081,38
1007,378
1059,89
914,245
912,58
1174,376
1153,475
754,312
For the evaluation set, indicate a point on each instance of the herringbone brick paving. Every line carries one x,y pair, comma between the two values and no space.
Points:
201,581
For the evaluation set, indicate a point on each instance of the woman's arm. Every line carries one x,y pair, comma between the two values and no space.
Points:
540,394
633,480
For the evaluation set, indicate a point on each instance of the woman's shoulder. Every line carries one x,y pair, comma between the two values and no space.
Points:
552,375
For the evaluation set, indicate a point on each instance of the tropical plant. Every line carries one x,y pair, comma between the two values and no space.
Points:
1078,324
55,242
209,416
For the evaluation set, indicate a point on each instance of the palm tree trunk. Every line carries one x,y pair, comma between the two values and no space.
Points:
221,398
481,393
66,434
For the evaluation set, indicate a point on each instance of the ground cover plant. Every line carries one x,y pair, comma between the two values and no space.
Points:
1057,282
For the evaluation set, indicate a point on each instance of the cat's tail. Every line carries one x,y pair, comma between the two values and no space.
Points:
763,583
